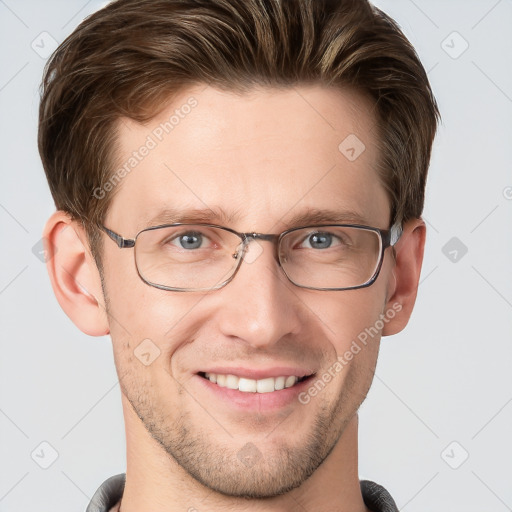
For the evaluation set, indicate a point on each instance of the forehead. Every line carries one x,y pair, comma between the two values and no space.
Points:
260,158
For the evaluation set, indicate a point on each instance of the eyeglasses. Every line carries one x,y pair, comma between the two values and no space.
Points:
203,257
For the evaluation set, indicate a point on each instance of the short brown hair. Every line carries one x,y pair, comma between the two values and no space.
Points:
131,57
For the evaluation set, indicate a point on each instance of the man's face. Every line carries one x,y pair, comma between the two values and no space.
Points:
264,156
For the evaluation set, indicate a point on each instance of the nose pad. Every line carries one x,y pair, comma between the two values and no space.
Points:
240,250
249,251
251,248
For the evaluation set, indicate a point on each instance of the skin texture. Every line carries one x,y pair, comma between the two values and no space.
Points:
264,156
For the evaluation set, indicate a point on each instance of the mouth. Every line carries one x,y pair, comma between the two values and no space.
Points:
260,386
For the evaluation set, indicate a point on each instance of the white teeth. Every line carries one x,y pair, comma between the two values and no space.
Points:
247,385
279,384
265,385
290,381
251,385
232,381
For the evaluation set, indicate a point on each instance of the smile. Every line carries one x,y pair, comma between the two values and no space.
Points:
266,385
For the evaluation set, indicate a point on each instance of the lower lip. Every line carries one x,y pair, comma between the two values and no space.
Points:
256,401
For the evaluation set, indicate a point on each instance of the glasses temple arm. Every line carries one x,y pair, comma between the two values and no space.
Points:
118,239
392,235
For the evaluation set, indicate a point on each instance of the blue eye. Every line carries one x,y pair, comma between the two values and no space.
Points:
321,240
190,241
187,240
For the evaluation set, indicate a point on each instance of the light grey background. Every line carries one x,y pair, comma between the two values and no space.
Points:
443,387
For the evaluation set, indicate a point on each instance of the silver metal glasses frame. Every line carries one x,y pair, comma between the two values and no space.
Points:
388,237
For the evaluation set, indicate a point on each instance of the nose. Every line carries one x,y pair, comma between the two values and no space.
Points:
259,306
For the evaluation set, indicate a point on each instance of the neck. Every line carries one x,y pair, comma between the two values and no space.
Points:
154,481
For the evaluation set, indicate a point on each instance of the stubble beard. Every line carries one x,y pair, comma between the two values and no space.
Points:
275,468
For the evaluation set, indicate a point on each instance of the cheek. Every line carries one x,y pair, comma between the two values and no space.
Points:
354,340
349,315
148,325
135,306
135,311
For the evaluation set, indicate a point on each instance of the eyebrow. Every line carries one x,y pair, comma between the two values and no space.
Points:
307,217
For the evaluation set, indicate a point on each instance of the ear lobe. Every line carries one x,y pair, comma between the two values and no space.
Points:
73,274
406,272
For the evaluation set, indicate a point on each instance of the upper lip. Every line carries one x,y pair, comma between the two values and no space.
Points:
260,373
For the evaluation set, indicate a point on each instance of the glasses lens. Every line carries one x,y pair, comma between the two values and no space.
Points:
330,256
188,257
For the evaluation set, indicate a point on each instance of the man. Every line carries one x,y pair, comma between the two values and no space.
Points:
239,187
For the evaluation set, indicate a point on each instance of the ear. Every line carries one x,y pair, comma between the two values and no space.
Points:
74,275
406,272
